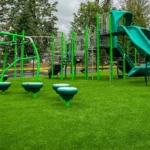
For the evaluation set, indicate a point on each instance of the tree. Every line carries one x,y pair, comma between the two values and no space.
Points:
86,16
140,10
106,4
36,17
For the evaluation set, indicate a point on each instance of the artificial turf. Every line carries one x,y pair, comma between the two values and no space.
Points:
103,115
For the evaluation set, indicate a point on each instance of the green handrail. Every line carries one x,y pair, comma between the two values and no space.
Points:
11,34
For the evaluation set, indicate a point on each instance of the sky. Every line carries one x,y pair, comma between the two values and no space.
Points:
66,8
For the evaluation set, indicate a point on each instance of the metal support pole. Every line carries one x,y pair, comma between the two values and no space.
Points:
33,67
124,60
86,54
62,53
111,46
98,45
72,55
52,55
22,56
38,61
15,56
146,71
4,65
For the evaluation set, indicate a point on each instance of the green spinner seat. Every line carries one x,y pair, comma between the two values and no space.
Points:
33,87
5,77
56,86
4,86
67,93
25,86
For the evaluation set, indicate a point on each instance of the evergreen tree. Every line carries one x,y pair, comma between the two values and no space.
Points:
36,17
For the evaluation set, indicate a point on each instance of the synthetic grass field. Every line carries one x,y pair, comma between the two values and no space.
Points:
103,115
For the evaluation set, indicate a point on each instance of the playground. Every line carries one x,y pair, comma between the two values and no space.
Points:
81,102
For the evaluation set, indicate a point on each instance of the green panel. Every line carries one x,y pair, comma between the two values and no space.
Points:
117,15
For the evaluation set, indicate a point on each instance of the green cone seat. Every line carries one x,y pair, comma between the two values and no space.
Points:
67,93
5,77
33,87
25,86
4,86
58,85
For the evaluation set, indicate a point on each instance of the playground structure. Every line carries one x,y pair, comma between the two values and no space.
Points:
116,34
16,41
86,50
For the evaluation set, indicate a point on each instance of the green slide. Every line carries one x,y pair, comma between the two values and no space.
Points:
128,63
140,39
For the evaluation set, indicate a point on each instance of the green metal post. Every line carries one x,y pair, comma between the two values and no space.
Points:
22,56
86,54
65,52
98,44
4,65
5,59
66,57
135,57
67,103
124,60
111,46
52,54
72,55
124,55
62,53
38,61
15,56
75,49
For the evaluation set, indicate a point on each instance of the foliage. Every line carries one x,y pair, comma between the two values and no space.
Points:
86,16
140,10
36,17
106,4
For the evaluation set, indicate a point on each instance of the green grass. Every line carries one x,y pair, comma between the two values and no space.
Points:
103,115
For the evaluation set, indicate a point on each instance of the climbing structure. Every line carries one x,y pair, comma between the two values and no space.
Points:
20,40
